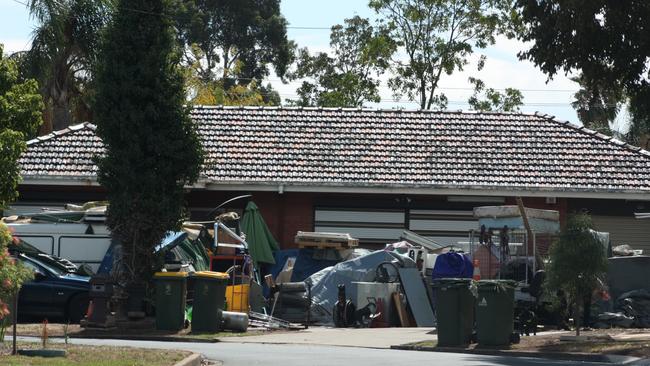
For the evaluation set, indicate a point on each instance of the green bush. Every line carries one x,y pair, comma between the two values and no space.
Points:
577,261
12,276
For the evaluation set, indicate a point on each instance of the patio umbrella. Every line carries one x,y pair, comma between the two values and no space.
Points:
261,243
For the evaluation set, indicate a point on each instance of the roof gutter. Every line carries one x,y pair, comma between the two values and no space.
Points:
448,191
319,188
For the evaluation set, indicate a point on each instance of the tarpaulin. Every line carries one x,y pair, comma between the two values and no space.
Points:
452,265
325,283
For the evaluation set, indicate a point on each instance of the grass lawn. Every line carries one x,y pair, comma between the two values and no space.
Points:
600,342
93,356
73,330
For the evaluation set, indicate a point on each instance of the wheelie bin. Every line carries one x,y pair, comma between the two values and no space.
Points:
454,302
209,299
171,293
495,312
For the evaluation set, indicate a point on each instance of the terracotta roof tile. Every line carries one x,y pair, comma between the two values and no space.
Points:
359,147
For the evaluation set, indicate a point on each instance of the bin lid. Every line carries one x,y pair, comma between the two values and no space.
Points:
496,284
170,274
211,274
450,282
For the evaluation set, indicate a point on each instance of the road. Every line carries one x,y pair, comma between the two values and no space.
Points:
233,354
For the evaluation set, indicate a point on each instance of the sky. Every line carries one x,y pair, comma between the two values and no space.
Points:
309,23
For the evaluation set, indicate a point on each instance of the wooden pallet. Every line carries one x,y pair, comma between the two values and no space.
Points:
325,240
321,245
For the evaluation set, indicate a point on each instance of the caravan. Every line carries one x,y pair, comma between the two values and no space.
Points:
77,233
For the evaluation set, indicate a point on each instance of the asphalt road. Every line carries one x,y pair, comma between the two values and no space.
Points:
233,354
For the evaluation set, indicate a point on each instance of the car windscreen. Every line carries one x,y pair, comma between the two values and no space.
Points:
52,269
25,247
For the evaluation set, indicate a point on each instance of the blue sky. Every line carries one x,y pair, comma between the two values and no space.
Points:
502,69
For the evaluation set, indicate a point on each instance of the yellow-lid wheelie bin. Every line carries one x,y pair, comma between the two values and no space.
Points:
171,293
209,299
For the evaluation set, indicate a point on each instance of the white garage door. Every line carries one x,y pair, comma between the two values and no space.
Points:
369,226
378,227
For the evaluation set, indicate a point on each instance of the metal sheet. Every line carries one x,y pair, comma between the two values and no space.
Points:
416,295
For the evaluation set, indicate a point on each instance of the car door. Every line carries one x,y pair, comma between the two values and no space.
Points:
35,297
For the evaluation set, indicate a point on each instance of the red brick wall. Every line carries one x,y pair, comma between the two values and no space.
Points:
286,214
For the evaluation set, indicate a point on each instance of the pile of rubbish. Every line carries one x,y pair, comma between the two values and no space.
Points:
633,311
359,288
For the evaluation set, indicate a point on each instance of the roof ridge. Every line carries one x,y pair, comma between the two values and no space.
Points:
354,109
69,129
610,139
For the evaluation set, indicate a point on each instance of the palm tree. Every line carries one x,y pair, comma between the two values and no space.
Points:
64,48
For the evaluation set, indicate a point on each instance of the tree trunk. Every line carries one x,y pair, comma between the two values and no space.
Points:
576,317
423,94
48,118
62,117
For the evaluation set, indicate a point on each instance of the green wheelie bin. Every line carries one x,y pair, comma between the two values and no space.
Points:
171,292
209,299
495,308
454,310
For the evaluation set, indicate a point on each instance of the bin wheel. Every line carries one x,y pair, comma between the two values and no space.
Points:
473,338
515,338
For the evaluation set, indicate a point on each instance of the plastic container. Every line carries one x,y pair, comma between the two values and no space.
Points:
237,298
171,292
209,299
454,310
495,312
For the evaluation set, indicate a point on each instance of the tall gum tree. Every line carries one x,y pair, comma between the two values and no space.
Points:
437,37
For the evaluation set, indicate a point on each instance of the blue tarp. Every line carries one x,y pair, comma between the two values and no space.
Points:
452,265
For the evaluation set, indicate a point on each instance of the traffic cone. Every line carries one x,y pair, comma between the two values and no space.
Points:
476,276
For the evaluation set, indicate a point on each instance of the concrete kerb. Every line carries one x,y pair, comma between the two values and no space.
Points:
574,356
192,360
145,338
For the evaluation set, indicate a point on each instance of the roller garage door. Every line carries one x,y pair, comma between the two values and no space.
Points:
625,230
377,227
372,227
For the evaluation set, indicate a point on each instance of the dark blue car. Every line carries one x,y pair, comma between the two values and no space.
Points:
54,293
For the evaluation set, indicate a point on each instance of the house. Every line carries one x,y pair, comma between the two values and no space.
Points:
374,173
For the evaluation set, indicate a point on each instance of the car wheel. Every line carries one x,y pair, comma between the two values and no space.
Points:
77,307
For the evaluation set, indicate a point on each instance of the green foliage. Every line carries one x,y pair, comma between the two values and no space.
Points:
493,100
577,260
63,50
20,117
597,104
606,41
213,92
12,275
152,149
438,36
238,39
348,78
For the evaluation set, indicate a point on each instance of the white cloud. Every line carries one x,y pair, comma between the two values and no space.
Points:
15,45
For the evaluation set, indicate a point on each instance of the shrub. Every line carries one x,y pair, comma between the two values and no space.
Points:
577,260
12,276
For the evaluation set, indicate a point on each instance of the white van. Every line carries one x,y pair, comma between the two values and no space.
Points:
83,241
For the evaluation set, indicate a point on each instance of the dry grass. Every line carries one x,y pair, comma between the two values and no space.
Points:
600,341
74,330
93,356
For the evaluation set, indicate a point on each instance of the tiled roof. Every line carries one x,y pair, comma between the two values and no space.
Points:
375,148
66,153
